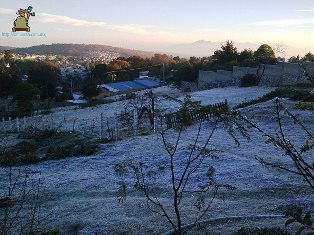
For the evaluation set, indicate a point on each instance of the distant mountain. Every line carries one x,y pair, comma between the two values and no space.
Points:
2,48
207,48
199,48
80,50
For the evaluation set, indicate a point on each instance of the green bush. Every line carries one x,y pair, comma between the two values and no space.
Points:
296,94
37,134
94,103
89,148
12,158
304,106
188,106
25,147
130,95
49,232
279,92
302,95
39,145
59,152
249,80
7,159
28,159
64,151
261,231
102,141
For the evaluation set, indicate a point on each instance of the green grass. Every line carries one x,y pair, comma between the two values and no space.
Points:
40,145
49,232
304,106
95,103
279,92
294,93
261,231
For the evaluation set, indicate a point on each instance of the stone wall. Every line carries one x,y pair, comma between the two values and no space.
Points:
209,79
240,72
188,86
310,68
274,75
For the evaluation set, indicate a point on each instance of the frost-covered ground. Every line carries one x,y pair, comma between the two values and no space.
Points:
87,119
81,191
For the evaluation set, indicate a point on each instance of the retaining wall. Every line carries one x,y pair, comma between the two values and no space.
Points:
274,75
211,79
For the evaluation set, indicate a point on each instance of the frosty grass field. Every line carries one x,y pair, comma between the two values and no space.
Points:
82,191
87,120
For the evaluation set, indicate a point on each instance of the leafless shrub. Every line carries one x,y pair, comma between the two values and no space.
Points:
301,166
144,105
196,156
19,200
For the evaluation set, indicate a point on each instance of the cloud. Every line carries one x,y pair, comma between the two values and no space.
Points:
62,23
6,11
284,22
129,28
306,10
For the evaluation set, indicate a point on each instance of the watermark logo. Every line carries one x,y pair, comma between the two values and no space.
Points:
21,22
19,34
21,25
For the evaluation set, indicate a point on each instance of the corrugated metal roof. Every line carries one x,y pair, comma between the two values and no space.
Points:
131,85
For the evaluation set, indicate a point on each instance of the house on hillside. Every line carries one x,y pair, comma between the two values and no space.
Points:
78,98
144,75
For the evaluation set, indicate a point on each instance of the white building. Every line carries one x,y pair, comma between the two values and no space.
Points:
143,75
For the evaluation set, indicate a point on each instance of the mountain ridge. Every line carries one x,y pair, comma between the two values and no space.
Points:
71,49
198,48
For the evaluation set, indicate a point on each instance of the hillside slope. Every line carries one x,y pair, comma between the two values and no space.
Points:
80,50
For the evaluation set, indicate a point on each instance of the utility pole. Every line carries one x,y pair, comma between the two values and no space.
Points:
163,72
113,77
71,87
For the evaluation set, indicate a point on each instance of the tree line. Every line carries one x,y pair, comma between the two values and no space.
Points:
44,77
179,69
40,82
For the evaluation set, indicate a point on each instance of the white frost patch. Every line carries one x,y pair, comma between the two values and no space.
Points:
82,189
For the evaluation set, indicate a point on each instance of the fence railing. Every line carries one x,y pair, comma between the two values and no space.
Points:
202,114
98,126
114,127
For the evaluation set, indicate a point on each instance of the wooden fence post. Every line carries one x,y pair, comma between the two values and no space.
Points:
10,124
135,121
64,123
73,127
155,124
51,124
93,127
101,126
2,125
85,126
17,124
116,126
24,123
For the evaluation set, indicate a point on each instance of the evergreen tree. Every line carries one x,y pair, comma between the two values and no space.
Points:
265,55
228,54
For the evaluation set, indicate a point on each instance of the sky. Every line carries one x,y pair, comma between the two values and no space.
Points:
151,25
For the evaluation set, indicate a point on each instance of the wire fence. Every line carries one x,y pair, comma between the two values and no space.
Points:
117,126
